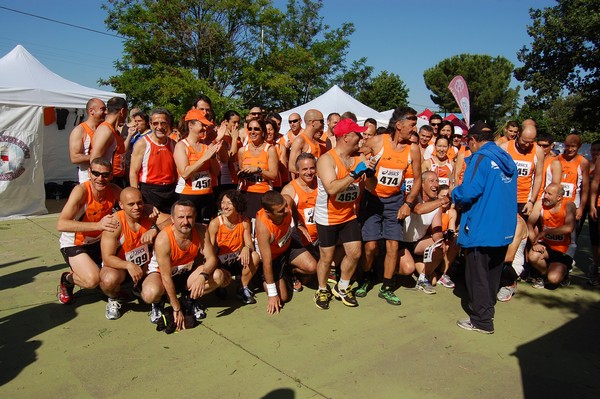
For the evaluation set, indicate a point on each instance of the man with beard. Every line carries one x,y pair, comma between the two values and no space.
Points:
152,164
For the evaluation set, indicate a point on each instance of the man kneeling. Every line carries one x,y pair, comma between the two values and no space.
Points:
178,264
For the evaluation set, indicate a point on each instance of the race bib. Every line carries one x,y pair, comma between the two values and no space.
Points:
444,180
255,178
569,189
389,177
309,216
202,181
408,184
227,259
140,255
181,269
523,168
283,240
350,194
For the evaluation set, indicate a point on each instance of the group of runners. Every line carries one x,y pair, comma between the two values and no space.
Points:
185,209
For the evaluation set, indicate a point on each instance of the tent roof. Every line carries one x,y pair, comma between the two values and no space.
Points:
335,100
26,81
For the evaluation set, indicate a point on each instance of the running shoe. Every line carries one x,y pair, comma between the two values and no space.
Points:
246,295
426,287
389,296
199,310
156,312
538,283
594,281
346,296
296,284
362,290
505,294
322,298
65,290
566,281
466,324
113,309
446,281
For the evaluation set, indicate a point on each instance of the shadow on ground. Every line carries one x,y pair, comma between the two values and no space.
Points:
565,362
26,276
17,350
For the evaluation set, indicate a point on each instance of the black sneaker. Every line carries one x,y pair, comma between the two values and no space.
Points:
246,295
346,296
322,298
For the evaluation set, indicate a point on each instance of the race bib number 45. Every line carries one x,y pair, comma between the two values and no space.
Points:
523,168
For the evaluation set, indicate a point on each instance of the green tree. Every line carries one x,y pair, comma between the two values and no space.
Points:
564,58
488,79
355,79
385,91
299,57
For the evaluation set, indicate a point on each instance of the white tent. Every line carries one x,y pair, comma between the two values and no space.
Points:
335,100
31,153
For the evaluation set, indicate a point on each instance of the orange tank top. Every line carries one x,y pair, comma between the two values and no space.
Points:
280,235
525,168
572,178
338,209
118,151
255,183
87,139
158,165
305,203
445,221
182,260
443,171
229,241
390,168
313,145
201,182
131,248
558,242
91,211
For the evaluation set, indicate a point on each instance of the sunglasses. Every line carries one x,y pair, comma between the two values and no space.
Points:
105,175
435,124
254,129
318,120
294,120
544,145
255,113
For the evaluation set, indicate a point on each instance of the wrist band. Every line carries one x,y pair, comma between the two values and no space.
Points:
271,290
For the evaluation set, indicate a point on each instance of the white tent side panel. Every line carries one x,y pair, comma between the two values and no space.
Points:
21,171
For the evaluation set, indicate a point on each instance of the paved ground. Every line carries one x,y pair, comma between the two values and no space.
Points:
545,345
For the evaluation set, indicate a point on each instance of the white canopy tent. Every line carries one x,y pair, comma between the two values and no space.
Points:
31,153
335,100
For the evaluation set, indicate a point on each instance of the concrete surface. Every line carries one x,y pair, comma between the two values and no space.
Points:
545,345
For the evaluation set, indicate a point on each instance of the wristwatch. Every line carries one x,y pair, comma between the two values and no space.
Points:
259,170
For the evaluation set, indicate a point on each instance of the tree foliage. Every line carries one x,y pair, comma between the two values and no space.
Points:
385,91
246,50
564,58
488,79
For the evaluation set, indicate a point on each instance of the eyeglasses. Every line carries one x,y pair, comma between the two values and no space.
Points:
105,175
254,129
294,120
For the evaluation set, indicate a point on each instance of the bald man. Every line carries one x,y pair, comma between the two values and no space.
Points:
306,141
80,139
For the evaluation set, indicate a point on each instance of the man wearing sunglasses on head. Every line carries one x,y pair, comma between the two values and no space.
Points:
87,213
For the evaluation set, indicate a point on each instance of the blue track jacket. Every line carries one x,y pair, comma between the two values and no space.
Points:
487,199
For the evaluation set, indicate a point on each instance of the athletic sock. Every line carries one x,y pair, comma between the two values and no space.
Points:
422,277
343,284
387,285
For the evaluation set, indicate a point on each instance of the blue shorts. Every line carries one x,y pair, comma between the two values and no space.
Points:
379,217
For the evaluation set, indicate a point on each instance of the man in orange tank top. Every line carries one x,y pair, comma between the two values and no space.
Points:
550,226
80,139
529,159
183,260
305,141
86,214
152,166
278,247
108,143
126,249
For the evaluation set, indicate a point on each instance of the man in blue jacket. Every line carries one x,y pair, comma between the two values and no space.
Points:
487,199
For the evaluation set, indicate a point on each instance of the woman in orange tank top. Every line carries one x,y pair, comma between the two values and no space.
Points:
230,234
197,166
439,163
258,166
274,138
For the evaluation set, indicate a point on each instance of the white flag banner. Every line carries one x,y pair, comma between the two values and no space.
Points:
21,172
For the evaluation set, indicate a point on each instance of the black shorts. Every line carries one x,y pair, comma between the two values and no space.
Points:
330,236
558,257
280,264
205,206
160,196
234,268
254,204
593,226
92,250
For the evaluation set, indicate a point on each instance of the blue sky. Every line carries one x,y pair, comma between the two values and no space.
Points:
403,37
